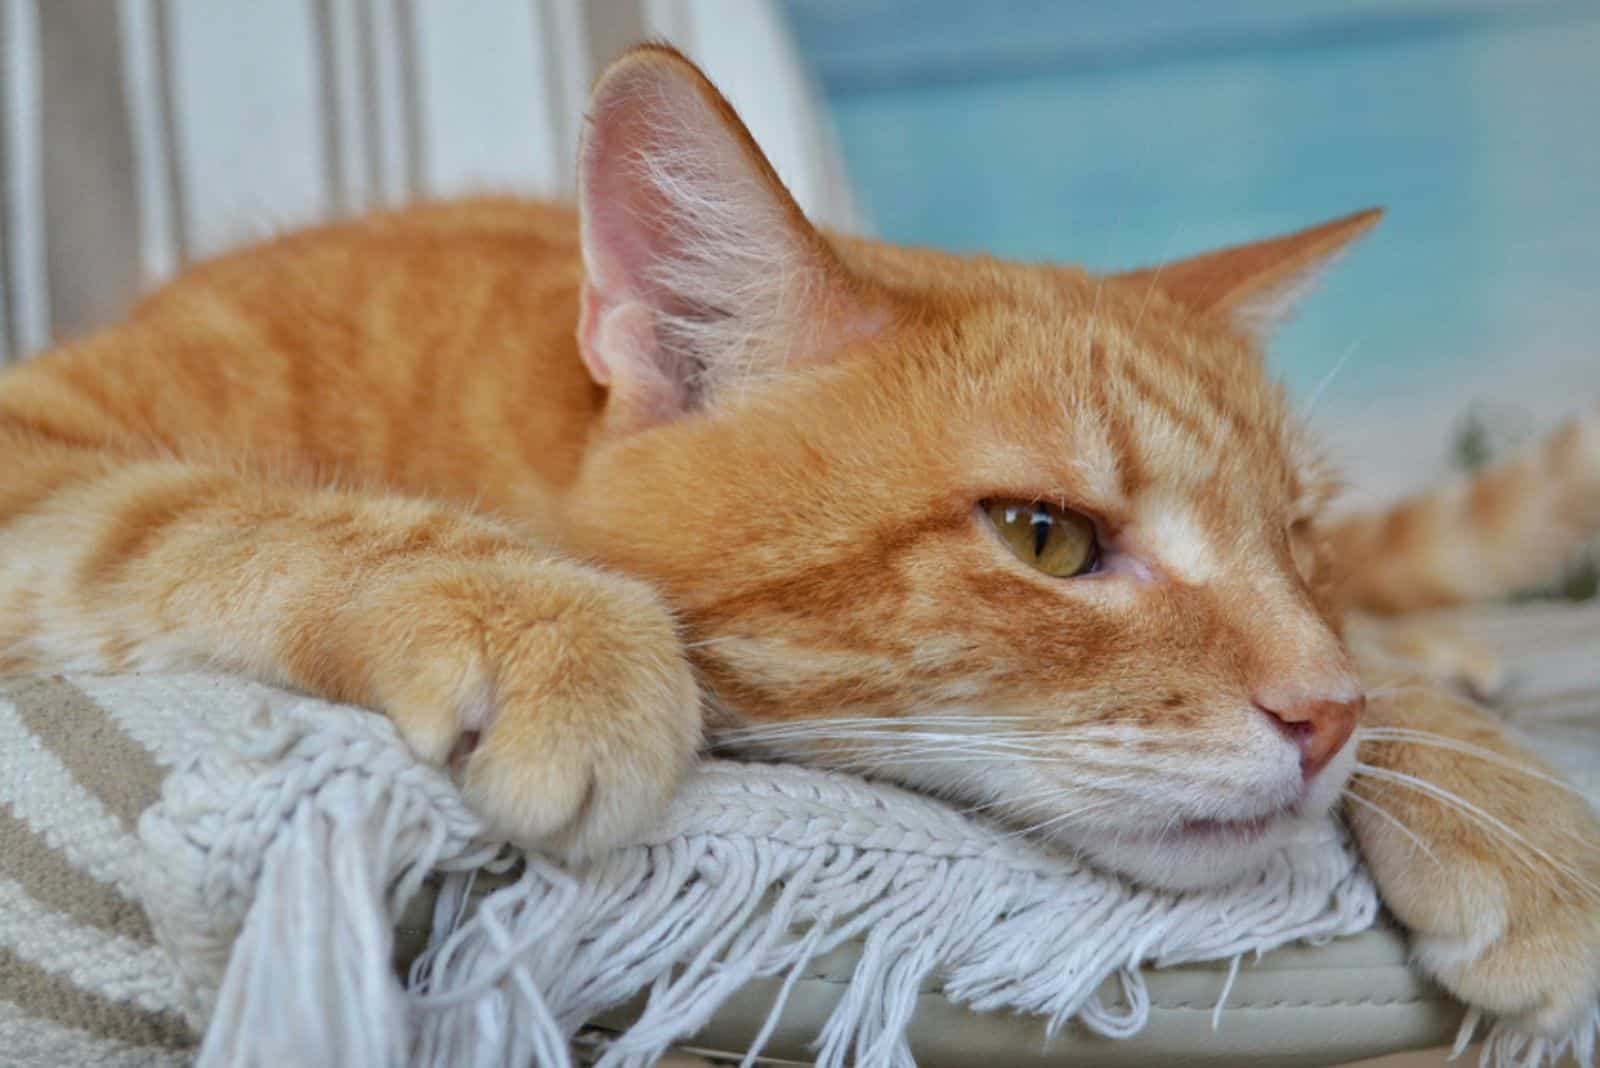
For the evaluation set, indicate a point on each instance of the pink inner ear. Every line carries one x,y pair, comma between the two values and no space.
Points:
699,267
625,331
589,315
628,233
638,118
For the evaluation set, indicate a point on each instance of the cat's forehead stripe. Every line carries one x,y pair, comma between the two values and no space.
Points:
1138,378
1146,391
1141,419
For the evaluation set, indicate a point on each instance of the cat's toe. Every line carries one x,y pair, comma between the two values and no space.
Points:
596,719
578,791
1540,977
1516,939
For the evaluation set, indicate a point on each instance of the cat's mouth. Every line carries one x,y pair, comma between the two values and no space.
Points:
1209,834
1247,829
1195,853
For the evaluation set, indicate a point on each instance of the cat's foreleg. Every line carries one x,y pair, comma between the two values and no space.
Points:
559,692
1484,853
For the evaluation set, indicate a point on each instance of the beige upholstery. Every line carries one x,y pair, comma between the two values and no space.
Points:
1352,998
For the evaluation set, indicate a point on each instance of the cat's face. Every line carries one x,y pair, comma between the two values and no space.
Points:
814,457
828,547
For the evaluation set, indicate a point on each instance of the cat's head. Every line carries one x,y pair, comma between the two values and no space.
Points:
1035,540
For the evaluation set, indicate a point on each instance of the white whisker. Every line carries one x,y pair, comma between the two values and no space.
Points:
1400,826
1316,394
1061,817
1515,839
1155,276
1413,736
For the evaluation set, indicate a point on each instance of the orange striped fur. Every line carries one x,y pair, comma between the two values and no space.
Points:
543,485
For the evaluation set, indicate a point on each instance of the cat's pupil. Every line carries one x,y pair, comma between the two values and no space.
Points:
1041,529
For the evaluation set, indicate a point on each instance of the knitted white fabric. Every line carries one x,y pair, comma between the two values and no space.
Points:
283,849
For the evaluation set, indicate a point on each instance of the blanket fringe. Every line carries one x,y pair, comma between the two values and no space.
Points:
692,918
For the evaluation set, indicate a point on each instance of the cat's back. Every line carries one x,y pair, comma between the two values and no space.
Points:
431,349
523,252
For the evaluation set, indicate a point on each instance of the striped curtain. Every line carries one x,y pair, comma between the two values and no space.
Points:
139,135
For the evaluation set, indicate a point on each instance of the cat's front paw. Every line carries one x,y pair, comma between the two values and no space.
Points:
558,694
1493,865
1532,961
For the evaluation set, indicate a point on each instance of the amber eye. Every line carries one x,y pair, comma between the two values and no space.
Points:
1054,540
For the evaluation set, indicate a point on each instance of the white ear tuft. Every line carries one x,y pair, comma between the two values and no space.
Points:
1263,312
700,268
1257,286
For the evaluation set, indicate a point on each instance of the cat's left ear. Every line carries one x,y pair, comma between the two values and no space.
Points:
1257,286
701,272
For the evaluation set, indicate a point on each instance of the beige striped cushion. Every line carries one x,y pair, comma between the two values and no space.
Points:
137,136
81,979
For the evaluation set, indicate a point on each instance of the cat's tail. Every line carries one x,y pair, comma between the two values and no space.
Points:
1507,527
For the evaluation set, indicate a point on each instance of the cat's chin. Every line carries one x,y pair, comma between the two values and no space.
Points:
1205,854
1198,855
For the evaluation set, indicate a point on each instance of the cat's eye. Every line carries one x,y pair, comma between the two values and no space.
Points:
1054,540
1301,548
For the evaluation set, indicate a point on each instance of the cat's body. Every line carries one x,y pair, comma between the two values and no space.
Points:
536,491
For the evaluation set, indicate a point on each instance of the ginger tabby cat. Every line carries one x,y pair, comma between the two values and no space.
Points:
549,489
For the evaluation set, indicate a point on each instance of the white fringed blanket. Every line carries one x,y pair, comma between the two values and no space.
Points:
253,904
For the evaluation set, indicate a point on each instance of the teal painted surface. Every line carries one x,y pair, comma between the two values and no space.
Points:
1482,140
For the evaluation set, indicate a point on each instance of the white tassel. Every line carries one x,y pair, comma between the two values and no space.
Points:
280,862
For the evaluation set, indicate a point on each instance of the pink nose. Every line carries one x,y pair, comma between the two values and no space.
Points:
1320,727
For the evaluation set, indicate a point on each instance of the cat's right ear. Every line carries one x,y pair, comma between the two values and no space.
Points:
700,269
